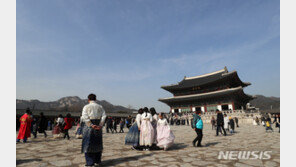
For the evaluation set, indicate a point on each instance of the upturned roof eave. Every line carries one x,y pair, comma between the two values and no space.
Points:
202,94
195,77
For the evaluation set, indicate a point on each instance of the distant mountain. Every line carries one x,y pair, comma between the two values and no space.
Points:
70,103
265,103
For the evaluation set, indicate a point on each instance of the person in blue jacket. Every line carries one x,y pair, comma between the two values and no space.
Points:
197,125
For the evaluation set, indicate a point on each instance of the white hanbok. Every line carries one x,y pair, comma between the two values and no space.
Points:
147,131
254,122
226,121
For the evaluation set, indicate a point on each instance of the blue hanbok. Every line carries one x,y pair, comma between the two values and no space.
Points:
92,141
133,136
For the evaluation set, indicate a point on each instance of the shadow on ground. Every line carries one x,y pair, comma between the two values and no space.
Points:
122,160
211,144
18,162
178,146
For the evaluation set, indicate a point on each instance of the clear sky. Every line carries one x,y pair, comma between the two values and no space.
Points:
123,51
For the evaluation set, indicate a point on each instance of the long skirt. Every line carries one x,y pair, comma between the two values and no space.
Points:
92,141
146,134
165,136
79,131
56,132
226,126
154,125
254,122
133,135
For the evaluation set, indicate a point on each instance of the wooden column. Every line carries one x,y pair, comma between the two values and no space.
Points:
233,107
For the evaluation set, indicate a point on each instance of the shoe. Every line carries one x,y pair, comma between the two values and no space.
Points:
133,148
88,165
193,144
97,164
199,146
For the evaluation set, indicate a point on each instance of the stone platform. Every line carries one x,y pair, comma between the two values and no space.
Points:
60,152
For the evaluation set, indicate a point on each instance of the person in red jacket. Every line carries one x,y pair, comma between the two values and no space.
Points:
68,125
25,128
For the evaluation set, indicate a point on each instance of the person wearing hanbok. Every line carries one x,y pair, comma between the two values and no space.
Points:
146,131
254,121
94,117
58,128
79,129
154,124
133,135
165,137
25,127
226,122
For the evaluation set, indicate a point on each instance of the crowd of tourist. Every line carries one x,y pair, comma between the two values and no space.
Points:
266,121
148,131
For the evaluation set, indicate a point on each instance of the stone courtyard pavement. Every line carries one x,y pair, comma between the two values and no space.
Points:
60,152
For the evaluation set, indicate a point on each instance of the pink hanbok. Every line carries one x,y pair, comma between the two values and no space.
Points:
165,137
147,131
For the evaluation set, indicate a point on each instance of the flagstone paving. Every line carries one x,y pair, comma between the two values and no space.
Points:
59,152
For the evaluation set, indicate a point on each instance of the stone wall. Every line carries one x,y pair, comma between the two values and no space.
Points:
243,117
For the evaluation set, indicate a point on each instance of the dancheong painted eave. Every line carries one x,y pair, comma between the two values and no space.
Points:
200,80
224,92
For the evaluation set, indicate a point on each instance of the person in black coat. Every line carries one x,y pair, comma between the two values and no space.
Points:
42,125
231,123
109,124
220,123
121,123
115,125
236,121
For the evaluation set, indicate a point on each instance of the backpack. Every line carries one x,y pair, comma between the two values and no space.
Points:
267,124
199,124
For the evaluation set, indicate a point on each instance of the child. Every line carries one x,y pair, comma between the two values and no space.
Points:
268,126
165,137
231,123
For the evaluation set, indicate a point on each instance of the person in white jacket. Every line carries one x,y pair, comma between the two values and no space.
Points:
94,117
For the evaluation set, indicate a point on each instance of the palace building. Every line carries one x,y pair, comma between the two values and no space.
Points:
220,90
